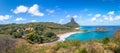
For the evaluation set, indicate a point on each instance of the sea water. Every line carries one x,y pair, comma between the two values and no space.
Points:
92,34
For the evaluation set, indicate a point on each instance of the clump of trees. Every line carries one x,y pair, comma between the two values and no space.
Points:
39,36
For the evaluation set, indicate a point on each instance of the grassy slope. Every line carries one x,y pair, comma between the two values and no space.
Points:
95,46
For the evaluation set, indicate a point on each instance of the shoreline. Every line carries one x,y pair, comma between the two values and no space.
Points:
62,37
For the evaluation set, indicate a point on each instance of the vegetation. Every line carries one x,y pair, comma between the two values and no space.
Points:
35,32
13,36
107,45
72,24
106,40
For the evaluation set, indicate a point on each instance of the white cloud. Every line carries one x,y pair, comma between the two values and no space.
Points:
117,17
68,16
111,13
61,20
19,19
105,18
20,9
111,18
4,17
95,17
50,11
75,16
34,10
34,21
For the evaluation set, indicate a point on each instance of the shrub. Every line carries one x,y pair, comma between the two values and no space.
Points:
117,50
49,36
32,38
82,50
106,40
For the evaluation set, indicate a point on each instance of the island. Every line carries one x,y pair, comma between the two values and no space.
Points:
100,29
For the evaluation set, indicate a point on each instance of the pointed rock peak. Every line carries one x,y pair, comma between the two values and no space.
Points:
72,20
72,23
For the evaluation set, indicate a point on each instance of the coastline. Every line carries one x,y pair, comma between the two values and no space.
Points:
65,35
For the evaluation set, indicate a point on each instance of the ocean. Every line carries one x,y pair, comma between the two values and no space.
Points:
92,34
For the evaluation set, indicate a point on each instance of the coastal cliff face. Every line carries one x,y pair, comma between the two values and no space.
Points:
72,24
117,34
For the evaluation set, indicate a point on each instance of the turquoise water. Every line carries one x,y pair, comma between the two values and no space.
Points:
91,34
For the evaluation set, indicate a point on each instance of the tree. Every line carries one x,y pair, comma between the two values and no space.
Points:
50,35
106,40
17,34
32,38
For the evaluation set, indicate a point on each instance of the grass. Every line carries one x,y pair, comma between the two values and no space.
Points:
106,45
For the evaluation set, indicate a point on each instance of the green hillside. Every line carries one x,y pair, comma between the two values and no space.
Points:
35,32
72,24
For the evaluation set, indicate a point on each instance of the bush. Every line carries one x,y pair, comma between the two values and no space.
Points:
32,38
17,35
82,50
117,50
50,35
106,40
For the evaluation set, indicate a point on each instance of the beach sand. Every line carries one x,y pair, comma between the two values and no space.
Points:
65,35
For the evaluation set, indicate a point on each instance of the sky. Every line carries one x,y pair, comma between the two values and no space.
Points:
85,12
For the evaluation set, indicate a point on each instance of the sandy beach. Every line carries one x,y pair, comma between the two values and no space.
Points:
65,35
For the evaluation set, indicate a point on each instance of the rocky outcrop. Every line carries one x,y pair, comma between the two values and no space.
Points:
100,29
117,34
72,24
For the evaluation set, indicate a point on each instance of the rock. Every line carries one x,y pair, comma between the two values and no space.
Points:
72,24
83,30
100,29
117,34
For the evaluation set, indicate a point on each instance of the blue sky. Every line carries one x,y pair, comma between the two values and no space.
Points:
85,12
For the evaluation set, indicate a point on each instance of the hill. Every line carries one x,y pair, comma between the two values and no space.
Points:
72,24
39,32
